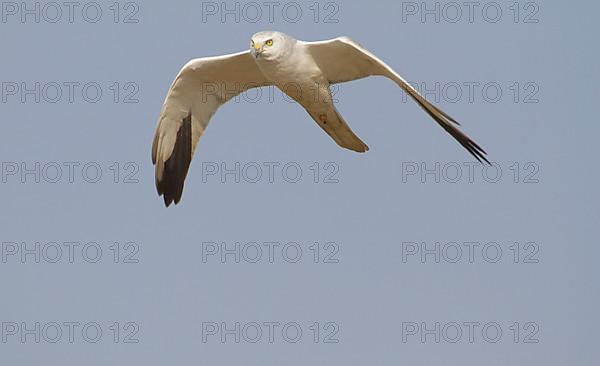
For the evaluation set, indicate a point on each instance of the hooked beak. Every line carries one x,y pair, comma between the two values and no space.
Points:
258,49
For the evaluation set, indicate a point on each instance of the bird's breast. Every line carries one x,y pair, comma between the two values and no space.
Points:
297,68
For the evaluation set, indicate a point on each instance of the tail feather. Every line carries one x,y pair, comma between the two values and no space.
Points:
336,127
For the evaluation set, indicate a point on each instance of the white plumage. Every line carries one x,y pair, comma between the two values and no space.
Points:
274,58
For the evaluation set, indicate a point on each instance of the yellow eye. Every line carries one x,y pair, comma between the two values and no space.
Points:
269,42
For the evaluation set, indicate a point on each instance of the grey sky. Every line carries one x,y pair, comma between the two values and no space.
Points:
369,288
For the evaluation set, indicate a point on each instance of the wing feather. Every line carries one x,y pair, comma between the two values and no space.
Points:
359,63
200,88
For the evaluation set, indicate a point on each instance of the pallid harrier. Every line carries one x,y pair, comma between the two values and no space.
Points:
279,60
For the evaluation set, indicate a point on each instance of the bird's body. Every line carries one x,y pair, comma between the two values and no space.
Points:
302,70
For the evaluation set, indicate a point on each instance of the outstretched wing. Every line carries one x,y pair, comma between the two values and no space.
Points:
200,88
342,60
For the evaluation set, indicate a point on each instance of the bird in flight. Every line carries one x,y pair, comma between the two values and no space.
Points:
274,59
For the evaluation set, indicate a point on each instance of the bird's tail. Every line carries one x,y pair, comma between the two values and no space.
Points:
336,127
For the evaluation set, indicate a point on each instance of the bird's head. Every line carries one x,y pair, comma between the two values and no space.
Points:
270,45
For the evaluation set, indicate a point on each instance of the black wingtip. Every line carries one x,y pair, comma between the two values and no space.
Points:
167,200
171,184
447,124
